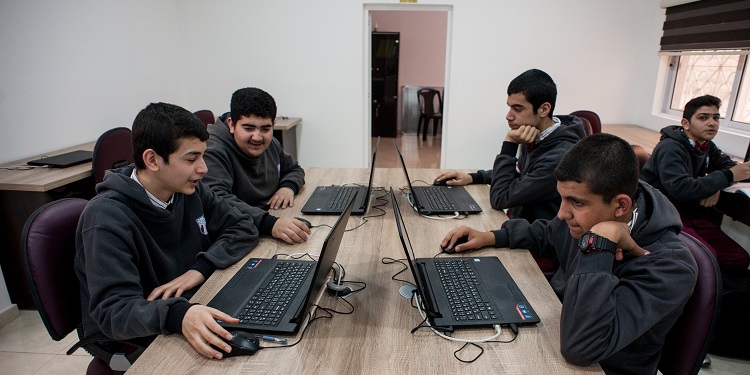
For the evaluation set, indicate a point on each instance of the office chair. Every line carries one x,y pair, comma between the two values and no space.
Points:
113,149
206,117
48,249
641,154
428,112
687,342
586,126
592,117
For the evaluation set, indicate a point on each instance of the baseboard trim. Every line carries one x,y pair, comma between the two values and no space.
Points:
9,315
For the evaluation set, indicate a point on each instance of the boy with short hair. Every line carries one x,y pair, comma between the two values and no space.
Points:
153,233
524,184
248,167
691,170
624,274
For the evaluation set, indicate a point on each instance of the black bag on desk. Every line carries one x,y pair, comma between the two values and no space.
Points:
733,327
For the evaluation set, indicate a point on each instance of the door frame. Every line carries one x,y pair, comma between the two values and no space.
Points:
367,70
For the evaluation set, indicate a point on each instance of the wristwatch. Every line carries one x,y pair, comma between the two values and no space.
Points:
590,241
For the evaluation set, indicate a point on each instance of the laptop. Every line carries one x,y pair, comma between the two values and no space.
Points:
331,200
273,295
439,200
65,160
465,291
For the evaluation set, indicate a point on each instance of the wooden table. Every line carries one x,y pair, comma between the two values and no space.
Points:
21,192
376,338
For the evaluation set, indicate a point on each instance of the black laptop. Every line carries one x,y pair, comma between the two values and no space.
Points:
65,160
439,200
331,200
273,295
465,291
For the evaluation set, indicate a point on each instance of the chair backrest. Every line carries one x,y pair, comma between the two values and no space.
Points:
586,126
642,155
747,153
48,249
427,101
594,120
113,149
687,342
206,117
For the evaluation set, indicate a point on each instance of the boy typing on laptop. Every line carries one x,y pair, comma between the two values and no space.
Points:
154,233
248,167
624,274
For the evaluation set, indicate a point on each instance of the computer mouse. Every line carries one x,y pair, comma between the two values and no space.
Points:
309,225
440,183
242,343
460,240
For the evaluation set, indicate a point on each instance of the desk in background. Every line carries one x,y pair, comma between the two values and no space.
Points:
22,192
376,338
285,130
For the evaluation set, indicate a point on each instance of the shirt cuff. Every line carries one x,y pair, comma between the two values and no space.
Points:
291,185
175,315
266,224
509,149
204,267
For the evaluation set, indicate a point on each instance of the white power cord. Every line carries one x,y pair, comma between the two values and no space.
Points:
419,308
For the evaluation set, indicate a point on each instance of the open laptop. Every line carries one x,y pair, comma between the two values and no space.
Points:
65,160
273,295
439,200
465,291
331,200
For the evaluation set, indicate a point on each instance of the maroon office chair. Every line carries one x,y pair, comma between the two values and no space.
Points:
113,149
592,117
48,250
687,342
428,111
206,117
641,154
586,126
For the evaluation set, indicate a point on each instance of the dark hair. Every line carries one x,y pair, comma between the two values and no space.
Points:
605,163
537,87
692,106
160,126
252,101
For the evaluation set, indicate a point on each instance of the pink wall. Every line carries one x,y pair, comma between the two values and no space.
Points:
422,46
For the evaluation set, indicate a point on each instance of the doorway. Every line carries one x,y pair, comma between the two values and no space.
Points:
424,36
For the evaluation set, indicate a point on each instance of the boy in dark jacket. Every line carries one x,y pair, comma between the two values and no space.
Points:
524,184
154,233
248,167
691,170
624,274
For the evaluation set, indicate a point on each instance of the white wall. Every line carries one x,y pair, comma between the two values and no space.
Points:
70,70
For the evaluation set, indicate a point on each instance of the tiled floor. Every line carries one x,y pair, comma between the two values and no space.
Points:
26,348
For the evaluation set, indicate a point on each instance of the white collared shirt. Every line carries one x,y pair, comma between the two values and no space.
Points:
154,200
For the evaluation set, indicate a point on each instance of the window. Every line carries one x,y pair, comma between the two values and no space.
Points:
718,74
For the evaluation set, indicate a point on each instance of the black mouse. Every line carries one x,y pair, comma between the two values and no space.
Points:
242,343
440,183
309,225
459,241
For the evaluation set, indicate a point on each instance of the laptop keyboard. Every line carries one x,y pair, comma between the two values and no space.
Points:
270,302
437,198
339,201
460,284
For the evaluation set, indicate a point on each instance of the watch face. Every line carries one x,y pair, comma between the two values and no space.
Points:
585,241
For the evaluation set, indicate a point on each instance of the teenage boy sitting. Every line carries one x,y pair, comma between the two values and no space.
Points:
691,170
248,167
153,233
621,294
524,184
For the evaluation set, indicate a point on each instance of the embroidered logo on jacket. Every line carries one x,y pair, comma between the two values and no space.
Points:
202,224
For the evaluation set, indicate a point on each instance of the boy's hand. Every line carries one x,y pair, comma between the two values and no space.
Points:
618,233
176,287
283,198
201,330
289,230
524,134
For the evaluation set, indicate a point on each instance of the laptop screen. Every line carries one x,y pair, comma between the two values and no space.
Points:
406,243
408,181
